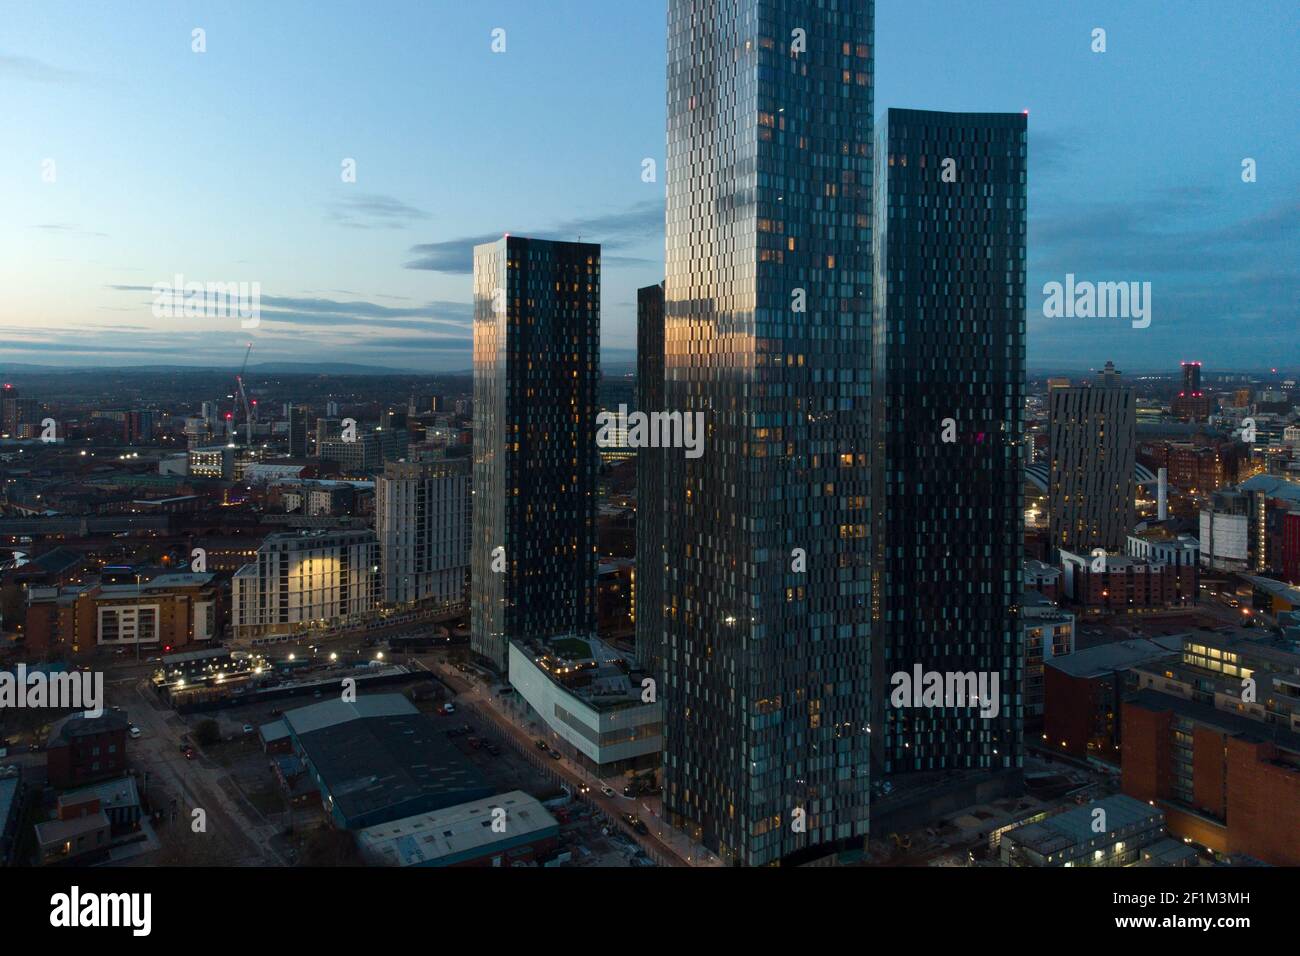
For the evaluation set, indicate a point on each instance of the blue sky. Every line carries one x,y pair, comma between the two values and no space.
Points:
225,166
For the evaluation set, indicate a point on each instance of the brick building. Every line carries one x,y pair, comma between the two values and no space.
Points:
1118,583
1225,781
170,611
82,749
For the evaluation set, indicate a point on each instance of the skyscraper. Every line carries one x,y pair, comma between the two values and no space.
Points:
767,332
948,461
536,369
1191,403
1092,447
422,518
649,480
297,431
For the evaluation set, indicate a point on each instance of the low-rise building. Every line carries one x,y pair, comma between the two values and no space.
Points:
83,750
377,759
587,695
510,829
1117,583
1109,832
1083,695
168,611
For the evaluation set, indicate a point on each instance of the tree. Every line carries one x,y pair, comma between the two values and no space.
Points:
207,733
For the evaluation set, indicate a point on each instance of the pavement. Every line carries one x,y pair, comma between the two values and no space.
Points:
663,844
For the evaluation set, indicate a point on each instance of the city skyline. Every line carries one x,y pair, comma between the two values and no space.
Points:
1127,182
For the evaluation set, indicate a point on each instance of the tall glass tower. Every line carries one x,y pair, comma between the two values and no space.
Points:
767,332
949,407
536,367
649,481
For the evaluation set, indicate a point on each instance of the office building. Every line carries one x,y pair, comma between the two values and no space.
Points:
423,520
366,452
767,333
536,370
649,480
948,384
167,611
1091,489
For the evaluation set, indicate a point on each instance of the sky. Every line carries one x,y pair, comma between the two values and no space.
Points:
228,166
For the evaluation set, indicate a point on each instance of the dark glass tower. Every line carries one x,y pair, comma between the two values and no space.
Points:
767,301
649,480
536,367
949,389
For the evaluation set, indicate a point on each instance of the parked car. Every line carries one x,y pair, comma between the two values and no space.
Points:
608,791
555,755
135,732
249,729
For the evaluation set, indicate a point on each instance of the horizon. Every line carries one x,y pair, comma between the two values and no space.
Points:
1135,170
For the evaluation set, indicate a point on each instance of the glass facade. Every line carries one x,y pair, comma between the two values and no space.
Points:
536,370
767,332
949,397
649,480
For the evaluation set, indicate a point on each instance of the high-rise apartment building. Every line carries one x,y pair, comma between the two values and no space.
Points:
422,518
948,389
536,370
298,431
15,412
649,480
767,333
1092,447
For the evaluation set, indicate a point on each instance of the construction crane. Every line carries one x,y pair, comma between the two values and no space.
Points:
243,398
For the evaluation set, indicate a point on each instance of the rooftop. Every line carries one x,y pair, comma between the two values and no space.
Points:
381,752
1073,828
1117,656
455,833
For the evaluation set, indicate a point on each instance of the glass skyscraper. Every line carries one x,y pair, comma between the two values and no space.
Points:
536,369
767,332
649,480
949,389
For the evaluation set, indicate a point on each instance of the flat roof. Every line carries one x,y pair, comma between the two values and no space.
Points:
370,756
460,832
1234,724
120,792
329,713
1117,656
1073,828
57,831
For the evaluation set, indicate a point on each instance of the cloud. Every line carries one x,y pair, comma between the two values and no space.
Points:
616,230
303,311
373,211
69,228
37,71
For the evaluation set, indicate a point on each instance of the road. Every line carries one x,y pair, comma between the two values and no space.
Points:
472,697
200,783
